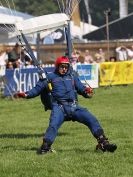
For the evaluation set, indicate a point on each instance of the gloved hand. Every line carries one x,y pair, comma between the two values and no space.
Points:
20,95
89,92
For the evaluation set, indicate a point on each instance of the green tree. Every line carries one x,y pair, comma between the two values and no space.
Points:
42,7
33,7
37,7
97,8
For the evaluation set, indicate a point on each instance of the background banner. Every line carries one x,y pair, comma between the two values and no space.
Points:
21,80
88,73
116,73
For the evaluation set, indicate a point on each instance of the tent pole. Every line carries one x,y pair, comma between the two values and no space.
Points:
107,13
38,46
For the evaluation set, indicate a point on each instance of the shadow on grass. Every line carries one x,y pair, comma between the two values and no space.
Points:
35,149
24,135
18,148
76,150
20,135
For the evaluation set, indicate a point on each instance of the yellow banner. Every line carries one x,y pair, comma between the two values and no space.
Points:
116,73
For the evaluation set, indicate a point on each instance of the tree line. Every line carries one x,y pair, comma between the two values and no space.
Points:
97,8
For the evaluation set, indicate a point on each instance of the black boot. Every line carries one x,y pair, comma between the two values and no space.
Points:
45,148
104,145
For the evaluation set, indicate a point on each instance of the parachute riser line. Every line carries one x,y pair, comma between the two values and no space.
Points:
28,49
68,41
69,47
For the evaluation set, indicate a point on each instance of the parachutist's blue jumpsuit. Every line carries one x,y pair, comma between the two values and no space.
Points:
64,104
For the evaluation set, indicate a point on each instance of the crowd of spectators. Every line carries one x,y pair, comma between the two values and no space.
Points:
16,57
87,58
122,53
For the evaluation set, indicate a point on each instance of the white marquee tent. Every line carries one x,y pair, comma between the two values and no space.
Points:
8,18
29,24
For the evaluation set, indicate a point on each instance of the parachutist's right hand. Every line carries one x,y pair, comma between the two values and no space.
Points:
89,92
20,95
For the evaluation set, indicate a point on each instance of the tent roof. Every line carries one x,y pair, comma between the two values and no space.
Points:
42,23
11,12
118,29
8,19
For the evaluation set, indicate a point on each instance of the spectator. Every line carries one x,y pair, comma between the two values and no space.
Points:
17,64
34,52
88,59
14,54
3,56
100,56
122,54
112,59
3,61
130,53
22,59
75,59
9,65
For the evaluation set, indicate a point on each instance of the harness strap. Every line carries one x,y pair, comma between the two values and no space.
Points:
65,102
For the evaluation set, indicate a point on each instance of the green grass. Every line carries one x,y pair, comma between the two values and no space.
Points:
22,123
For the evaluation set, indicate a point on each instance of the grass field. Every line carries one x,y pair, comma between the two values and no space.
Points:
22,123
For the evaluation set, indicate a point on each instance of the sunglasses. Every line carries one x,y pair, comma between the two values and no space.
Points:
63,66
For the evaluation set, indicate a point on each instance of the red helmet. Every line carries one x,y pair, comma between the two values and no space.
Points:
60,60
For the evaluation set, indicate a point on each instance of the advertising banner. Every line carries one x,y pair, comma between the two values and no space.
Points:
21,80
88,74
116,73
